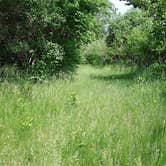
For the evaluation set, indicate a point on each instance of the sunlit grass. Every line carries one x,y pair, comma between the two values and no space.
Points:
104,116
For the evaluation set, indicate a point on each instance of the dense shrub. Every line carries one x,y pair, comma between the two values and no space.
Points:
153,72
156,10
50,61
157,70
30,31
95,53
128,38
137,47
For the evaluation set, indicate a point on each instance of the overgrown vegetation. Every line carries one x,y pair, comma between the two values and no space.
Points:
140,35
105,116
95,53
155,10
108,115
129,38
44,36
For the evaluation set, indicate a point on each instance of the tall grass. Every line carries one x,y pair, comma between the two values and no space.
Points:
105,116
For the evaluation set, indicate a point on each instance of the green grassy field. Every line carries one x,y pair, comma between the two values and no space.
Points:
103,117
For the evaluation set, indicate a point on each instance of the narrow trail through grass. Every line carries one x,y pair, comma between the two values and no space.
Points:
104,116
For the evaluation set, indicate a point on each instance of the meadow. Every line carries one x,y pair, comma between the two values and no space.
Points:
105,116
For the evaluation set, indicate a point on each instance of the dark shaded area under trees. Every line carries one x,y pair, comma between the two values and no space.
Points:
43,37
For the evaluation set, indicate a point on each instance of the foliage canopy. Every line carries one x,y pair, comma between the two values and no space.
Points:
140,35
157,11
29,26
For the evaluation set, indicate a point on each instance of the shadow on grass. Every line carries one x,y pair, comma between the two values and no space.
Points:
163,95
124,76
163,98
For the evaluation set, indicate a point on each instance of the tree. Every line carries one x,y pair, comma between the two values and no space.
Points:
129,37
156,9
32,29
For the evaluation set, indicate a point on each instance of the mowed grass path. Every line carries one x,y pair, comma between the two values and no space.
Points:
103,117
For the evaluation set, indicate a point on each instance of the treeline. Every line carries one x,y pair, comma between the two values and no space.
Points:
43,37
140,35
52,36
129,38
137,37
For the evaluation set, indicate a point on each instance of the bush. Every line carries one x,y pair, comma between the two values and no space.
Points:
157,37
31,30
129,40
8,73
156,71
95,53
153,72
50,61
137,49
